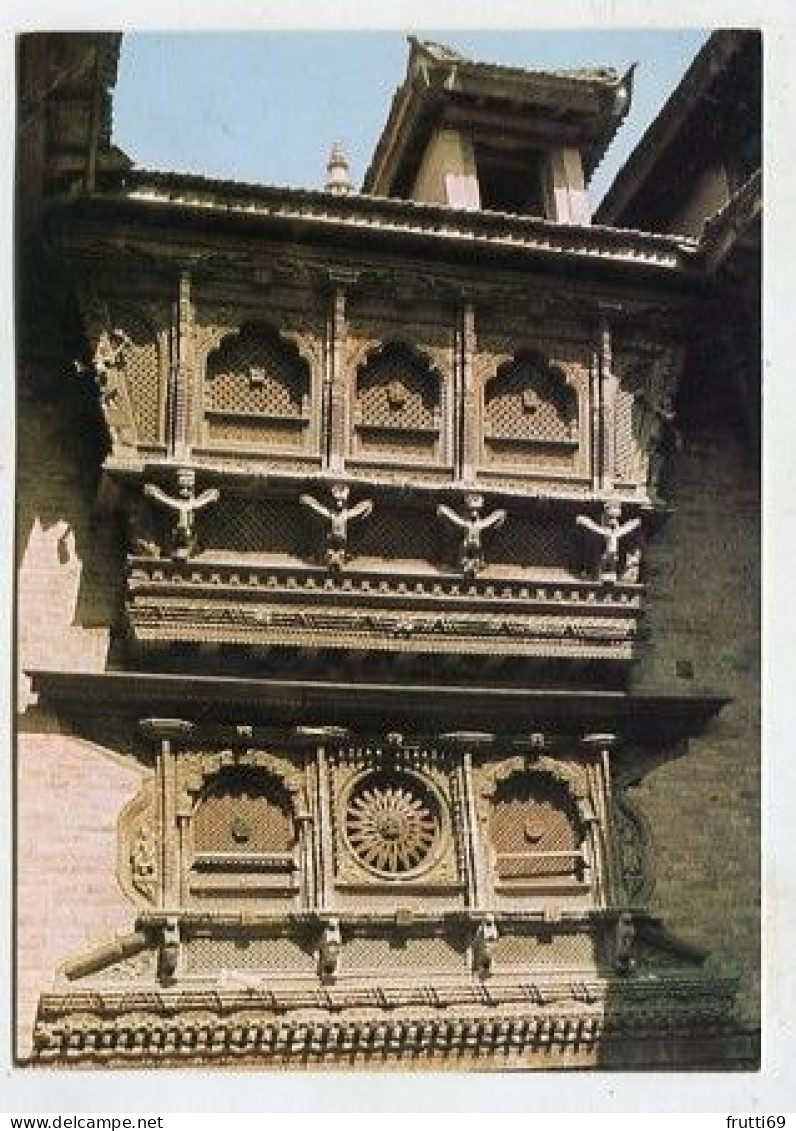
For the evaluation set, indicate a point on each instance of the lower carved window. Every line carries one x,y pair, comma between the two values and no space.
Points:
244,842
535,836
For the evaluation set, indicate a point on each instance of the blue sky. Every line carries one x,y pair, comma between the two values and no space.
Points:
265,107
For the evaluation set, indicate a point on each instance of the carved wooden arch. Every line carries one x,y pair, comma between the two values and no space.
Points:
194,770
568,775
289,341
435,357
432,372
490,361
558,390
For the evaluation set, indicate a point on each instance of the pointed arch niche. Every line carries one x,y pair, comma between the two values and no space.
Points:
529,415
399,406
257,391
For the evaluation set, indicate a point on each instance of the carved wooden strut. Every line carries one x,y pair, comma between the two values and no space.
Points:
338,517
612,533
471,558
184,506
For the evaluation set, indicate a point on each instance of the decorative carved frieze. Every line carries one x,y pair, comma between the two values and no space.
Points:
633,852
139,854
432,1021
645,419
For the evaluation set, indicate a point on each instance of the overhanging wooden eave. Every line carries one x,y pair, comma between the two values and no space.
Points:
420,706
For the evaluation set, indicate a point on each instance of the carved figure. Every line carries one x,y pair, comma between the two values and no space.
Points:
612,532
142,857
106,371
624,943
169,949
109,354
338,517
483,946
184,506
473,526
329,950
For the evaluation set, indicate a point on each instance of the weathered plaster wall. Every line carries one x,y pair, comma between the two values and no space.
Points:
703,613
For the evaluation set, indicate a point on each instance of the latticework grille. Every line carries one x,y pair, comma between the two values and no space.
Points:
396,534
253,526
625,450
256,375
523,402
529,542
531,952
243,811
142,370
271,955
397,390
533,829
416,954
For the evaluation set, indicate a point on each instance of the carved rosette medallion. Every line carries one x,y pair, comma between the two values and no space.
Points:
394,819
392,824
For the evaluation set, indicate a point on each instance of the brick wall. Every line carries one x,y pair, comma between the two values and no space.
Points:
69,792
703,613
69,797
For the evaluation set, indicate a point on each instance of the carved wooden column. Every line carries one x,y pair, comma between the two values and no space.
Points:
468,416
335,420
600,830
165,732
178,428
608,387
595,401
323,840
475,860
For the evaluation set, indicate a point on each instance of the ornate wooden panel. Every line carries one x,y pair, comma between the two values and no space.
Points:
242,812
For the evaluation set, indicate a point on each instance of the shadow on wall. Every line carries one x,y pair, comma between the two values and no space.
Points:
68,556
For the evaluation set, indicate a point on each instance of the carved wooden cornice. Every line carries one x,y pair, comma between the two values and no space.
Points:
214,602
223,1025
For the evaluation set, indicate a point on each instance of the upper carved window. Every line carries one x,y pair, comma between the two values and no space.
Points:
529,402
534,832
257,389
397,404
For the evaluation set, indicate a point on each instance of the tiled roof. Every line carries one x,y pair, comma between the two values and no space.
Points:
358,212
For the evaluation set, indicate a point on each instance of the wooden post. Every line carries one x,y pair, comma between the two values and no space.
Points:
179,401
467,399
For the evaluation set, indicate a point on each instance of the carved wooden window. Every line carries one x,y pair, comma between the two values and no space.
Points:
243,837
257,390
534,834
397,405
530,413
